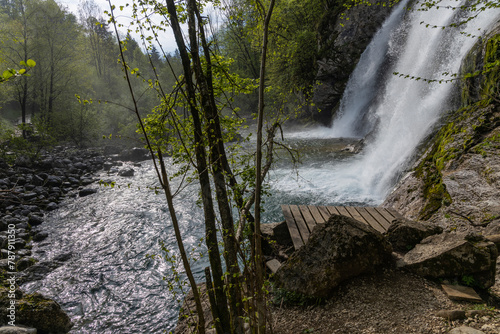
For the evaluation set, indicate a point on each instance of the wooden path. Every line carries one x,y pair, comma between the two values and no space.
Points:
301,219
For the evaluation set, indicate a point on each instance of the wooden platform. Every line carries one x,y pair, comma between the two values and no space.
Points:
301,219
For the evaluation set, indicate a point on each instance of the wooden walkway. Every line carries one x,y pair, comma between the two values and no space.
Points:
301,219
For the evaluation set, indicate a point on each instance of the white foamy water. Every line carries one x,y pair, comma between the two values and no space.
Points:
395,113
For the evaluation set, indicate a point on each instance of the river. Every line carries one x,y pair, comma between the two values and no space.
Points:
110,284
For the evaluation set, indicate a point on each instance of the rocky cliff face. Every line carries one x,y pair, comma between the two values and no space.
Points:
456,183
343,38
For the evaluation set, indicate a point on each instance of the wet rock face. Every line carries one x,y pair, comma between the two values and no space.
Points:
463,159
452,255
337,250
341,48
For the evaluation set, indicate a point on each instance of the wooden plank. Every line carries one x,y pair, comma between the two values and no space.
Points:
301,224
369,219
308,218
343,211
292,227
387,215
324,212
316,214
332,210
378,217
273,265
355,214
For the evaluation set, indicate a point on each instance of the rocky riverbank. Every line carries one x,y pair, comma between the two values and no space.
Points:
28,190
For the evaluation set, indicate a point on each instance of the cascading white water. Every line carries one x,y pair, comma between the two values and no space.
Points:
400,112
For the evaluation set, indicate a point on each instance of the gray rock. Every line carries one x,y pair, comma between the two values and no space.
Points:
451,255
86,181
37,180
107,165
275,238
451,315
73,180
81,166
404,234
86,192
40,236
465,330
495,239
53,181
474,313
28,196
337,250
18,243
127,171
25,263
51,206
18,329
35,220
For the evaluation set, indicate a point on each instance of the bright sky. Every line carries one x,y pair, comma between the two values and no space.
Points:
124,17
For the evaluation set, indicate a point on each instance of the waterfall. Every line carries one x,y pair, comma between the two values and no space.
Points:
397,113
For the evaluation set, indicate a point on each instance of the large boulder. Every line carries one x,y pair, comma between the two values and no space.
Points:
404,234
36,311
43,314
454,255
337,250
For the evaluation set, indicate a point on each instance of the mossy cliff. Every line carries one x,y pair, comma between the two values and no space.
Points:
457,180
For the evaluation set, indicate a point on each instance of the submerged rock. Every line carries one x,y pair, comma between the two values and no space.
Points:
127,171
450,255
337,250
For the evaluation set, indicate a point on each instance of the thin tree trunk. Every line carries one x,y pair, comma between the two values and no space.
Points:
261,304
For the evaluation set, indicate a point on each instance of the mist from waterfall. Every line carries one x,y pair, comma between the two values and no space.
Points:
394,113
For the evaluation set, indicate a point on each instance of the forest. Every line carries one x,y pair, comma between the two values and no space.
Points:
77,60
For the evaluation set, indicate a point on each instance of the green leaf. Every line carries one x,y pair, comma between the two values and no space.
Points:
31,63
7,74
